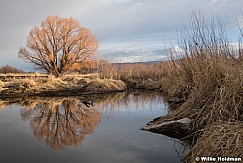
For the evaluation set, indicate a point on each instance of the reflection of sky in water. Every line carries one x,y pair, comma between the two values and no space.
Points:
116,138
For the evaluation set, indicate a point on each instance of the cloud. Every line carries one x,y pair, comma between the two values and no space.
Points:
136,51
111,20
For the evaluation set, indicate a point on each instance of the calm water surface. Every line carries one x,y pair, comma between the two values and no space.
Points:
69,130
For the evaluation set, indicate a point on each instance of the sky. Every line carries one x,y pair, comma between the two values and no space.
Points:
127,30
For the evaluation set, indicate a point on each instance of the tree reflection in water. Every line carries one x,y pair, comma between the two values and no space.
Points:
61,122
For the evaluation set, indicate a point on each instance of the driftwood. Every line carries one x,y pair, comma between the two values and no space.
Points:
176,129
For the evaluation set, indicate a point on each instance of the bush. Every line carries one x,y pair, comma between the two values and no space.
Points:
9,69
136,75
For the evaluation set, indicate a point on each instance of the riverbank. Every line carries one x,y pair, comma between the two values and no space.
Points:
205,95
69,85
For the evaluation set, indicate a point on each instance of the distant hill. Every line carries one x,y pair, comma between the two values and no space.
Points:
132,63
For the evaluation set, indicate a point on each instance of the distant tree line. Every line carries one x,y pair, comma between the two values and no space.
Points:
10,69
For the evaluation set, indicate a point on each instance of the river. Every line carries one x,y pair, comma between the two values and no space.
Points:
72,129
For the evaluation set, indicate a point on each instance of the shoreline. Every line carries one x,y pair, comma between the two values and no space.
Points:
58,93
67,86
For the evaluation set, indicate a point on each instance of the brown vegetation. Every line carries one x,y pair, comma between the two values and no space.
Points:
137,75
57,44
222,139
67,85
9,69
206,87
86,67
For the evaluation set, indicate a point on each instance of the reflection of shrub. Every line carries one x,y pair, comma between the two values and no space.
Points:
9,69
2,105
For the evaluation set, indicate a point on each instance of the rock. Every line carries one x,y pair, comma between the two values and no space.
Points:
176,129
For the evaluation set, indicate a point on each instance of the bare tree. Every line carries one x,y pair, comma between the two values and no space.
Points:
57,44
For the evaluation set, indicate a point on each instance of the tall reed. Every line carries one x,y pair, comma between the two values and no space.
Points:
205,85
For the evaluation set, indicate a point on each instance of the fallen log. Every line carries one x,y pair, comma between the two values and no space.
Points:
176,129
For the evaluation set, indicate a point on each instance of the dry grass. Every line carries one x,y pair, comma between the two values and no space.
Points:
26,83
18,86
30,86
23,74
206,86
137,75
222,139
2,84
101,85
211,90
54,83
207,89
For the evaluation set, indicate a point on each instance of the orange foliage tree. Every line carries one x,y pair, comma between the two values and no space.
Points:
88,66
57,44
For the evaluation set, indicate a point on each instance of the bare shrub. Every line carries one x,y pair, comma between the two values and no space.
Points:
136,75
9,69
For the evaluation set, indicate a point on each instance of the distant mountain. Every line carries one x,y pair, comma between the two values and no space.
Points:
132,63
